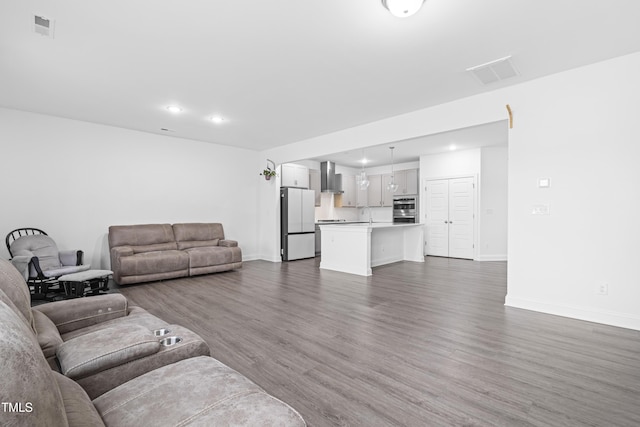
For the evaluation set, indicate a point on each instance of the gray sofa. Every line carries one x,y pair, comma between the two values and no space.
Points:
150,252
109,337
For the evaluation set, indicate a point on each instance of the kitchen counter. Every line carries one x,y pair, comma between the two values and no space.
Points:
365,224
357,247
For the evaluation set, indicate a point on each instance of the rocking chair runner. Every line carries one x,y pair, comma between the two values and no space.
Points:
37,257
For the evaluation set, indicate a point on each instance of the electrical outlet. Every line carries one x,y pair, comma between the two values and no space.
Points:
602,289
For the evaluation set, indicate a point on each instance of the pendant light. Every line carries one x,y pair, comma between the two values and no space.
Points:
392,186
402,8
362,178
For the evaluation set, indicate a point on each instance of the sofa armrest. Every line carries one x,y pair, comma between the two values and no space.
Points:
101,350
121,251
72,314
228,243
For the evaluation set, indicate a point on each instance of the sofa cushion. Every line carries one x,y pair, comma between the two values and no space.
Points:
204,392
215,255
195,231
26,376
140,235
77,405
170,246
101,350
197,244
153,263
16,291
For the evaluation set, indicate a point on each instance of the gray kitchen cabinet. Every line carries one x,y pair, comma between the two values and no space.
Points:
407,181
377,194
349,195
293,175
315,185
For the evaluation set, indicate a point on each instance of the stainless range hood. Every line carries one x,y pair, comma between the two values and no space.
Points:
330,181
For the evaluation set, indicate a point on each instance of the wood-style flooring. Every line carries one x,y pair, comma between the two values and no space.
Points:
413,345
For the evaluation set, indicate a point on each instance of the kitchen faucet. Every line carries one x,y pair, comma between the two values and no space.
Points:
370,218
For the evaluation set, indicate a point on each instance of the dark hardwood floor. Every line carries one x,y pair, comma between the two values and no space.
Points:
414,345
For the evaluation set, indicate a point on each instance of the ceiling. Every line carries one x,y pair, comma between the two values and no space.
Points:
282,71
410,150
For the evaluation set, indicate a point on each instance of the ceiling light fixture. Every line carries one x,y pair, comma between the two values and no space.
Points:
392,186
403,8
174,109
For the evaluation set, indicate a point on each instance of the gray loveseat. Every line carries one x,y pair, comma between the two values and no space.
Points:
194,390
150,252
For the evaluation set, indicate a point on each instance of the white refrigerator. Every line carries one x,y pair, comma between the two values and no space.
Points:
297,225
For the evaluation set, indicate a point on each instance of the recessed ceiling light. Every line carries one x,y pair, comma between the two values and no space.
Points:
452,147
218,119
174,109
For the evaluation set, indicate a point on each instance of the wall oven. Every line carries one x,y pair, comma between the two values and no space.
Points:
405,209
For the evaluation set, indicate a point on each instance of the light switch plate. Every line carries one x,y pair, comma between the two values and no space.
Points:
541,209
544,183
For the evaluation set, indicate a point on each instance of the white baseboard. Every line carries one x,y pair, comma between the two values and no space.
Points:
270,259
492,257
622,320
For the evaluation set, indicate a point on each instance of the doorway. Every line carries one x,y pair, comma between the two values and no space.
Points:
450,217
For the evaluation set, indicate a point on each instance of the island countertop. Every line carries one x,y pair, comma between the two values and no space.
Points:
357,247
345,225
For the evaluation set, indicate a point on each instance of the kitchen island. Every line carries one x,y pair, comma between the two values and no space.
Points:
356,248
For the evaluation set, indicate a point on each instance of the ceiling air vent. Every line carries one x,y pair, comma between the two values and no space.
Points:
494,71
43,26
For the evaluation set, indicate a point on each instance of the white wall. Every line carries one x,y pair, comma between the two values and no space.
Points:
580,129
73,179
449,165
577,128
492,209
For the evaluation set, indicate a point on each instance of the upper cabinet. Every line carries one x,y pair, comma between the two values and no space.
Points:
349,195
377,194
293,175
407,181
314,184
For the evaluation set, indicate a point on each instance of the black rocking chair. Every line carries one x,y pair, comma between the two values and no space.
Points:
37,257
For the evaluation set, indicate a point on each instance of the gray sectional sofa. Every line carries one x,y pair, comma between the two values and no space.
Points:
150,252
96,361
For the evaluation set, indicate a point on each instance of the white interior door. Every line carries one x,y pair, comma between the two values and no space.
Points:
461,218
450,217
437,211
